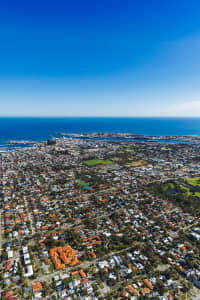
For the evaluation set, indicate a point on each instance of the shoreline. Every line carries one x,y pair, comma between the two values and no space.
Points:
106,137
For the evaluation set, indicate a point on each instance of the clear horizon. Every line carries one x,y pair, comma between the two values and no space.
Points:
100,59
100,117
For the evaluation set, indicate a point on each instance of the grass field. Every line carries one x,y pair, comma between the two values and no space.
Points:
94,162
83,183
138,163
195,181
187,191
168,186
130,150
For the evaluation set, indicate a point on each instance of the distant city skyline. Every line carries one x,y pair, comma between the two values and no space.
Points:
100,58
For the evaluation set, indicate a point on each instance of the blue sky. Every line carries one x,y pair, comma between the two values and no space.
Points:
100,58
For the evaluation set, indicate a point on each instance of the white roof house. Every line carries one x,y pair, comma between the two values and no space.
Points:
10,254
29,271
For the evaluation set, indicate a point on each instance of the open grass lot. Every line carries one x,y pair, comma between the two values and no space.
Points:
183,195
168,186
195,181
94,162
185,189
83,183
188,192
138,163
129,151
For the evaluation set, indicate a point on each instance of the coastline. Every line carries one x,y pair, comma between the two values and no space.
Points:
104,137
16,132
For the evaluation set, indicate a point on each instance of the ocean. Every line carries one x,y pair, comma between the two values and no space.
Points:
43,128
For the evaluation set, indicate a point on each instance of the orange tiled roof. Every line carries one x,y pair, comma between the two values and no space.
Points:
66,254
46,260
82,273
148,284
7,294
93,254
37,287
93,243
145,291
134,291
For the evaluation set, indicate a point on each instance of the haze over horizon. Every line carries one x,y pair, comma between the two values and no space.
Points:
100,58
